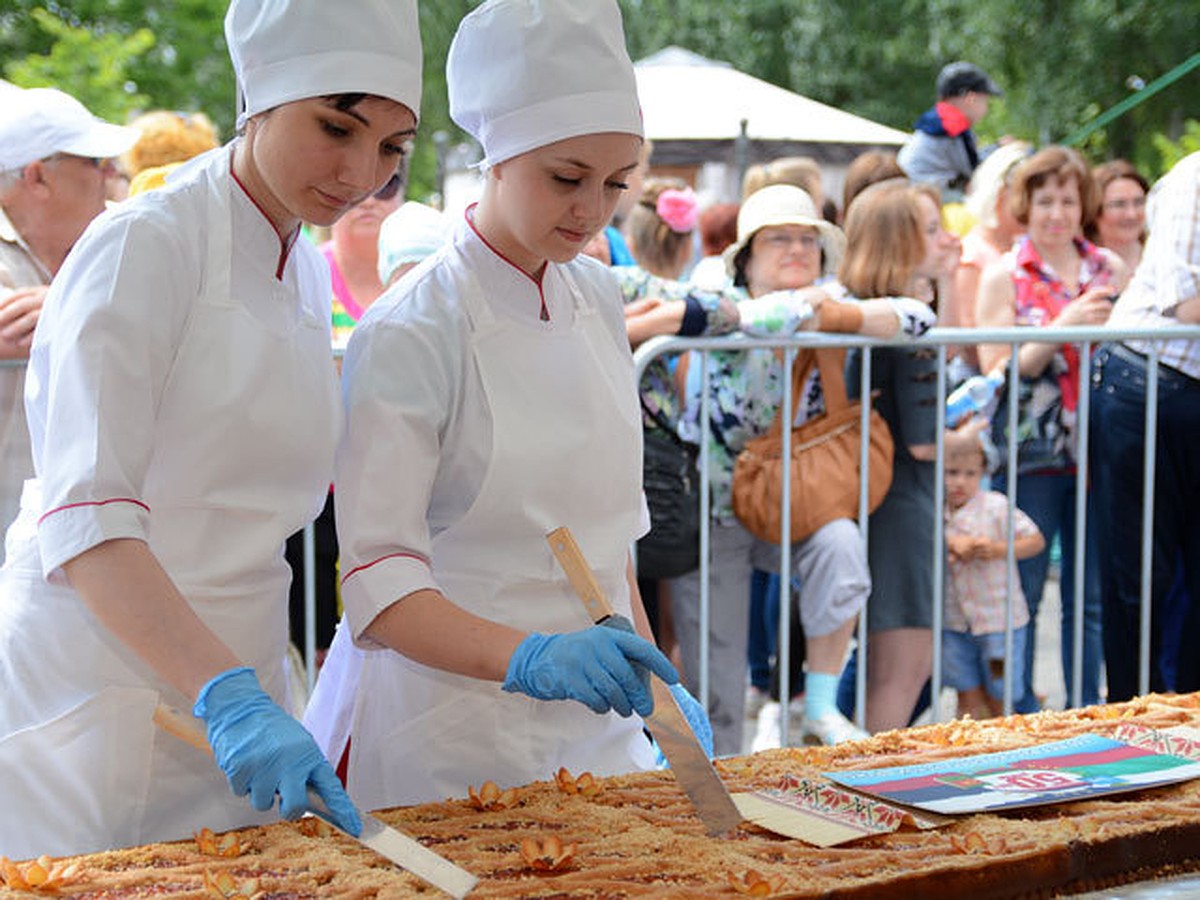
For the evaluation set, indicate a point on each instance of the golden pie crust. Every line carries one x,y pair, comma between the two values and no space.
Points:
637,837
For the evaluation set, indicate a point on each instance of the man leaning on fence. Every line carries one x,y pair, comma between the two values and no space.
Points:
1164,292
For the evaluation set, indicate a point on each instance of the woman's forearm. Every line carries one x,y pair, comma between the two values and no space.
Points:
1032,359
665,318
429,629
127,589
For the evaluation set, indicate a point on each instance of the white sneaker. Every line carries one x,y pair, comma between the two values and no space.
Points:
755,701
831,728
767,736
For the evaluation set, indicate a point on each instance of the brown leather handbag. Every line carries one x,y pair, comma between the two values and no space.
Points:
825,459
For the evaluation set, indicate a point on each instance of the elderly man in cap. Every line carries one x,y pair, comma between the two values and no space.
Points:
54,156
941,150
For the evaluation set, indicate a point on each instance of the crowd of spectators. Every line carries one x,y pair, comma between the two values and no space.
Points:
1045,240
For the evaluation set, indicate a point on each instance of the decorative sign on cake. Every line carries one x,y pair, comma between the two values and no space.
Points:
817,812
1074,769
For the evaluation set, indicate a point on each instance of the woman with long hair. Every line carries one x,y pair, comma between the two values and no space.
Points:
896,245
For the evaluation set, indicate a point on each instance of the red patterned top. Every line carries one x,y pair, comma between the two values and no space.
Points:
1042,295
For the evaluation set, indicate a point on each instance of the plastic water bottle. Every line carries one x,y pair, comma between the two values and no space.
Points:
972,396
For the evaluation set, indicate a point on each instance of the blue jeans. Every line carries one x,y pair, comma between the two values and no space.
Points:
764,627
967,661
1118,410
1049,499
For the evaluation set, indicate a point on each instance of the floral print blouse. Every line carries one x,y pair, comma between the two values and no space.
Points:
745,391
658,384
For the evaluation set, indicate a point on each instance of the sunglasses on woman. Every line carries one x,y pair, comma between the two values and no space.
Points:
390,188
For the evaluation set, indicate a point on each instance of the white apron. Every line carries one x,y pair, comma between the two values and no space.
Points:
565,451
82,766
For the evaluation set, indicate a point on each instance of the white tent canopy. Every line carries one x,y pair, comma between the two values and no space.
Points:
687,97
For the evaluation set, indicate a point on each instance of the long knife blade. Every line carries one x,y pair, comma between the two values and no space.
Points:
692,767
404,851
389,843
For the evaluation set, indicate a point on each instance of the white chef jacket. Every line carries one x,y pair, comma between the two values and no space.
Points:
442,424
180,393
126,291
431,495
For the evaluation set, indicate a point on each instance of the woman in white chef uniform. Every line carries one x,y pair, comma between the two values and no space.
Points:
184,414
490,398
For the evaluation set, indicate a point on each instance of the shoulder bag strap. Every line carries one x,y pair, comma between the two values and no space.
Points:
831,363
806,358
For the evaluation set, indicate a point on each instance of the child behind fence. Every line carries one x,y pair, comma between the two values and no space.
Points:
976,609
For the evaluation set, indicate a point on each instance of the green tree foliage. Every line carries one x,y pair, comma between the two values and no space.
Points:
1171,152
184,66
92,67
1061,64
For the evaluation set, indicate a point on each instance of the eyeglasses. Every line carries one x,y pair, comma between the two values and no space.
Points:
781,240
390,188
1124,204
92,160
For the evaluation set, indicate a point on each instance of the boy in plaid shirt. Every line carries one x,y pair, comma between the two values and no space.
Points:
976,608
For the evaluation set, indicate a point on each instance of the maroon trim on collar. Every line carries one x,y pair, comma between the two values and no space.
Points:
544,314
285,243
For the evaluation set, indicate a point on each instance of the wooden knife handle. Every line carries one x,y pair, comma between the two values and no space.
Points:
181,725
579,573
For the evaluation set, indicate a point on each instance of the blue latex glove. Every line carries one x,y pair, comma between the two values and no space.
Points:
263,751
696,716
693,712
599,667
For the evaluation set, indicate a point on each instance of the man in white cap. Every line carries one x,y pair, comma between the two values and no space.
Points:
184,413
54,156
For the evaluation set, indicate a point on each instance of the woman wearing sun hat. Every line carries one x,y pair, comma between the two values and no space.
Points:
184,414
784,252
491,399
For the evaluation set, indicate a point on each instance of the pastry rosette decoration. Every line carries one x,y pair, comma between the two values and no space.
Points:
489,796
41,874
227,847
549,855
752,884
585,785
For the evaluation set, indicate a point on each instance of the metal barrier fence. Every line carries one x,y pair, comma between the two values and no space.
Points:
939,339
1086,338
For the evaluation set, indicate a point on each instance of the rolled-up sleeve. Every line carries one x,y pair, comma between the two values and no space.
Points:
399,397
101,358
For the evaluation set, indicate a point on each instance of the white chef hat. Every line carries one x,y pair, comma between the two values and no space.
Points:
526,73
285,50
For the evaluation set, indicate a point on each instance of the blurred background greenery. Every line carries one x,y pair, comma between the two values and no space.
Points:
1062,63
